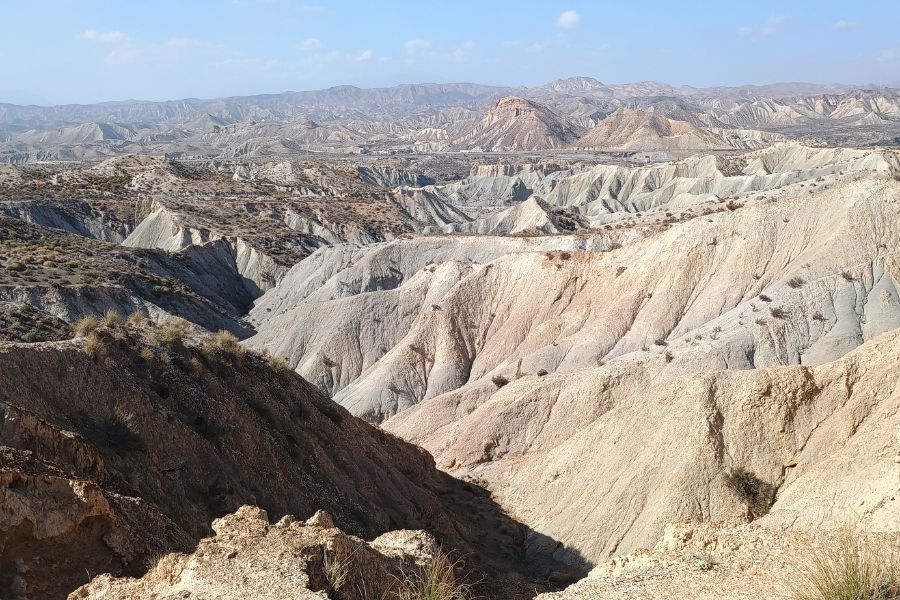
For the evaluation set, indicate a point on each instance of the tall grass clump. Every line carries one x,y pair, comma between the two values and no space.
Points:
435,581
855,566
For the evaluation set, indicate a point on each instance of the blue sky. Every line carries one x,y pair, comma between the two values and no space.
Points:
60,51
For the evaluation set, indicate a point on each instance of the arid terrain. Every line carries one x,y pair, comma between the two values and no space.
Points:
570,341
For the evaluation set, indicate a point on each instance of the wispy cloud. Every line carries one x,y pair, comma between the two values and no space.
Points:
464,49
537,47
568,19
310,44
889,55
106,37
843,25
418,46
770,27
364,55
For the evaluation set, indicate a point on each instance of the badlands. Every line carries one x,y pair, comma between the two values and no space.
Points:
562,342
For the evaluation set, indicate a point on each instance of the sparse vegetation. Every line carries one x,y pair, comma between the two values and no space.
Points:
277,363
95,346
856,566
436,581
228,343
753,491
847,276
778,312
499,381
170,334
113,319
85,325
337,570
795,282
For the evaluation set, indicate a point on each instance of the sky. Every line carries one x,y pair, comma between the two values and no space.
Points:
84,51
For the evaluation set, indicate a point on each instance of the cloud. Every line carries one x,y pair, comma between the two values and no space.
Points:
568,19
414,47
364,55
540,46
843,25
889,55
465,49
106,37
771,27
310,44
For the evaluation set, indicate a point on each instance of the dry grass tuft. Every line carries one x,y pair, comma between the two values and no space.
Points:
436,581
277,363
94,346
171,333
856,566
228,343
85,325
113,319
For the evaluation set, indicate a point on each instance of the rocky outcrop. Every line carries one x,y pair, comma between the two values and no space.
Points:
241,561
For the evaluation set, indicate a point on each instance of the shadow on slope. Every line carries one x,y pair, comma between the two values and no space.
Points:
115,450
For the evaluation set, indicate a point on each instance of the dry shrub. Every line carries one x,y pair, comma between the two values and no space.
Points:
757,494
435,581
499,380
171,333
136,319
277,363
228,343
856,566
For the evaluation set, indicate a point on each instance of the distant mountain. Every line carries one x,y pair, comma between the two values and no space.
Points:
518,124
433,117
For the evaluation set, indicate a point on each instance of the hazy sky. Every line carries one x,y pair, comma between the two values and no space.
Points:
60,51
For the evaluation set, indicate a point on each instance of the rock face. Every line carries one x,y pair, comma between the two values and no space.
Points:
788,282
713,561
518,124
630,130
116,450
647,448
250,558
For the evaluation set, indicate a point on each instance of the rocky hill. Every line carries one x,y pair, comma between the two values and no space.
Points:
128,442
519,124
631,130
